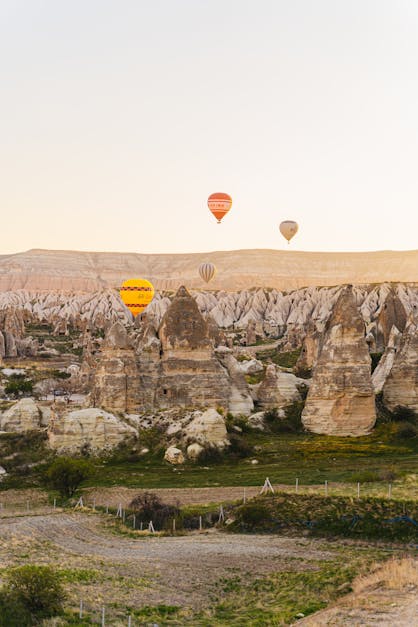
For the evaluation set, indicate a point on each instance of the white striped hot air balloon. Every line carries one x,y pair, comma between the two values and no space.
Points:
207,271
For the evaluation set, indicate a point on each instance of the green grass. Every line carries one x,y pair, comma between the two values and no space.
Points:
282,457
286,359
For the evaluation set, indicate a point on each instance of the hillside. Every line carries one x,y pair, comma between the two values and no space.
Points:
39,270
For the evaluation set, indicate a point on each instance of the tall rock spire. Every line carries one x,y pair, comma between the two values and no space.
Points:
341,398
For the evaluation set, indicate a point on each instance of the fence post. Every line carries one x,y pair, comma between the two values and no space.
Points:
297,485
103,616
94,505
142,525
134,522
358,489
221,514
129,620
55,503
174,525
326,488
81,608
200,523
390,491
107,509
245,496
151,527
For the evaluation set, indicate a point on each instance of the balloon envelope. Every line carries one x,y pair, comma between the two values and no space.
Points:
288,229
136,294
219,204
207,271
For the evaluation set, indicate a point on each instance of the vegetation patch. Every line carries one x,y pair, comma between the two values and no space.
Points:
370,518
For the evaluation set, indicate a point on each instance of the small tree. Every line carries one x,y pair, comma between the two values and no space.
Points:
66,474
36,588
148,506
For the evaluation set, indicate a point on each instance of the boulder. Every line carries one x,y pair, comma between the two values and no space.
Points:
251,366
22,416
194,451
93,428
341,397
174,455
3,473
208,428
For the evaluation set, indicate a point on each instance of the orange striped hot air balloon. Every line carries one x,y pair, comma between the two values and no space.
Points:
219,204
136,295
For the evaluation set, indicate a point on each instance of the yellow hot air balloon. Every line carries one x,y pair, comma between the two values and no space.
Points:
207,271
288,229
136,295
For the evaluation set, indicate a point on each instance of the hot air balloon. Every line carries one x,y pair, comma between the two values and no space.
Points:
207,271
219,204
288,229
136,295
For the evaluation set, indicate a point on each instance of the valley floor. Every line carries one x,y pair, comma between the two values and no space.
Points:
210,578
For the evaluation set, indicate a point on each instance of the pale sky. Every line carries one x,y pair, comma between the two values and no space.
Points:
119,117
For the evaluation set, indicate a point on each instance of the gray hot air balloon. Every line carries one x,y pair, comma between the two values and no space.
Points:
288,229
207,271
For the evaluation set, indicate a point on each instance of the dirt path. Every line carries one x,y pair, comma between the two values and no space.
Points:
178,570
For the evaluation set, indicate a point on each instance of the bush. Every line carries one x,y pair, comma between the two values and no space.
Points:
148,506
18,385
290,423
66,475
253,516
37,589
12,612
238,448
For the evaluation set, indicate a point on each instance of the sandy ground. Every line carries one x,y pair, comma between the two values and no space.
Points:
174,570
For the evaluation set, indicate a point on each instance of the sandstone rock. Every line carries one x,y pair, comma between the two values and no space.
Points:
93,428
277,389
392,313
240,401
401,386
385,364
311,348
116,377
173,455
251,366
208,428
194,451
190,373
256,421
341,398
22,416
3,473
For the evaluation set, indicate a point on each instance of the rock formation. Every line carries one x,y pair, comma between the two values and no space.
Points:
277,389
22,416
392,313
116,376
208,428
341,398
92,428
190,374
385,364
401,385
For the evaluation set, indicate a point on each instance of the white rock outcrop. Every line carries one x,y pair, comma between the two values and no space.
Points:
93,428
174,455
207,428
23,416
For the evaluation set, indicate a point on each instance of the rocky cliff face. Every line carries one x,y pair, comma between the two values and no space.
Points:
401,385
116,374
341,397
176,366
48,270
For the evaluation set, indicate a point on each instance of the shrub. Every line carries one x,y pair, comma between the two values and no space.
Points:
37,588
66,475
211,455
18,385
253,516
404,414
12,612
290,423
148,506
238,448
